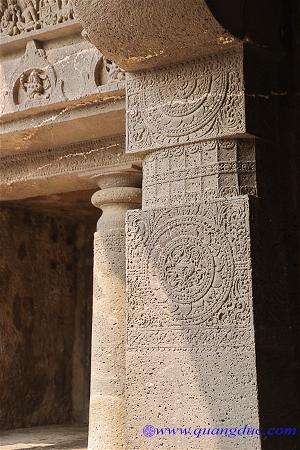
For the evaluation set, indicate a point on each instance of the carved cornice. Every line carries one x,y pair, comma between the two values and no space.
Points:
30,174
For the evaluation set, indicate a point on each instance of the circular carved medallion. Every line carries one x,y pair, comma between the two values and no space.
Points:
190,268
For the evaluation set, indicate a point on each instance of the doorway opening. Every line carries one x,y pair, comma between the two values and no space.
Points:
46,283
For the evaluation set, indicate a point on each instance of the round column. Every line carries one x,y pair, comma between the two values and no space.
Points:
119,193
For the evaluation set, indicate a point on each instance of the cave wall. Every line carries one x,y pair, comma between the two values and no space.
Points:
45,318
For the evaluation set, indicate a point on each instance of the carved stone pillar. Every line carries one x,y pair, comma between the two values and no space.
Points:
119,193
203,309
191,358
208,326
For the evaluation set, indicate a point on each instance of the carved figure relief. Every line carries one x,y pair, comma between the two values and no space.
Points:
29,18
66,11
185,103
188,274
114,72
35,83
18,16
10,16
48,12
96,74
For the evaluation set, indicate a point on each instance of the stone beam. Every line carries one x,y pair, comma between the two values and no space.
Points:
144,34
64,169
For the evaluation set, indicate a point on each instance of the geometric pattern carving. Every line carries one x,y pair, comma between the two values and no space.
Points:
186,103
188,275
191,173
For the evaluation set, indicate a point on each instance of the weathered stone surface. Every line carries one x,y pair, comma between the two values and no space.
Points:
190,337
107,403
111,26
62,169
149,34
45,274
108,419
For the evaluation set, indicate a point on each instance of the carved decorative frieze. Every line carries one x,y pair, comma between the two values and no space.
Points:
188,174
21,16
186,103
41,76
77,158
188,275
67,168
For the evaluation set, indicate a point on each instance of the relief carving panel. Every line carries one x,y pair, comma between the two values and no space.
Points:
188,275
190,173
21,16
35,81
69,73
190,338
187,102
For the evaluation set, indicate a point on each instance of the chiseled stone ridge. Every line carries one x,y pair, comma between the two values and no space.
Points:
191,173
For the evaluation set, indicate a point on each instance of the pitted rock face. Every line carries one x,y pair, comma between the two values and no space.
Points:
143,34
149,33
